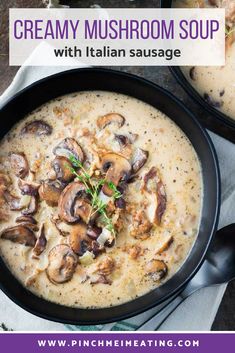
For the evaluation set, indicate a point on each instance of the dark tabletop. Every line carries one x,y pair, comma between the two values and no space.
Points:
225,319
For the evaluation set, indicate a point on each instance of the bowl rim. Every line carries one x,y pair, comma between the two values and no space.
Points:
211,150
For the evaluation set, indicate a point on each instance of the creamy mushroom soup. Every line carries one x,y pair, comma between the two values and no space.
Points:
216,84
100,199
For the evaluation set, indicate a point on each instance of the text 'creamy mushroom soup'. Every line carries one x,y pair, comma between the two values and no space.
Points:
100,199
216,84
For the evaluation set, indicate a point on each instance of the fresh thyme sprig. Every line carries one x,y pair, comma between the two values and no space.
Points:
93,189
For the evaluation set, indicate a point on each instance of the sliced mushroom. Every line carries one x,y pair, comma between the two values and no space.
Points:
28,188
62,168
93,231
125,145
111,118
156,269
62,264
82,210
78,239
50,191
32,207
37,127
41,242
19,164
122,140
19,234
117,168
67,201
14,202
29,225
28,219
161,202
139,159
69,147
155,188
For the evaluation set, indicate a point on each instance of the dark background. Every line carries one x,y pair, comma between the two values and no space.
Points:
225,319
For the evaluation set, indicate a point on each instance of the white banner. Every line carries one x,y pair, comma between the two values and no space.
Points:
150,37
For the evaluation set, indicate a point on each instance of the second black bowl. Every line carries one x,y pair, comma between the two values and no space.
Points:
214,120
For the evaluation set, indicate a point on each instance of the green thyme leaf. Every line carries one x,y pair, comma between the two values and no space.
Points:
93,189
117,194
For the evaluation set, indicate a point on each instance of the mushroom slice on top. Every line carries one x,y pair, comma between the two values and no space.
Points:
122,140
139,159
41,242
67,201
155,188
125,145
69,147
19,164
117,168
125,140
50,191
28,219
37,127
83,210
111,118
62,264
78,240
19,234
30,226
62,168
28,188
156,269
28,222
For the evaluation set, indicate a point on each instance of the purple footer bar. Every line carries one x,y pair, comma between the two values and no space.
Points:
117,342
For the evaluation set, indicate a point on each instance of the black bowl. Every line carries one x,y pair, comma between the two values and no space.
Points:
101,79
223,125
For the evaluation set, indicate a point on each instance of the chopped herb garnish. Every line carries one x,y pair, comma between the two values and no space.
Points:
93,188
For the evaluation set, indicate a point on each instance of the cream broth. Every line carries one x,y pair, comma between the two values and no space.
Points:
215,84
154,217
